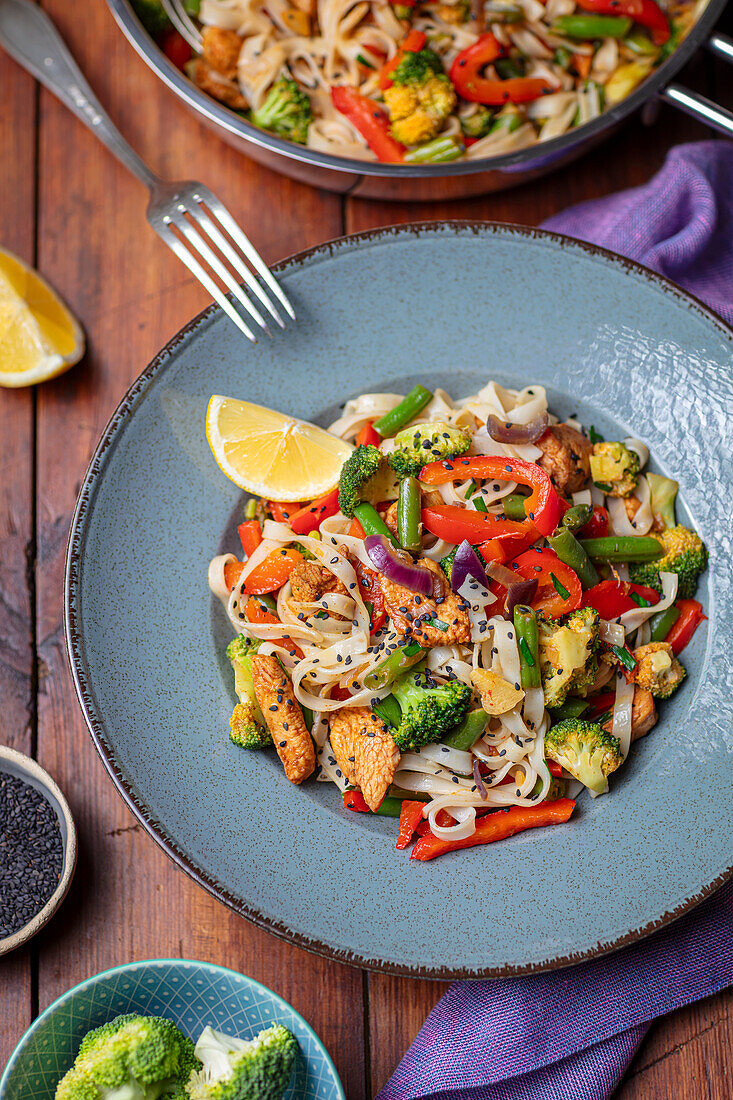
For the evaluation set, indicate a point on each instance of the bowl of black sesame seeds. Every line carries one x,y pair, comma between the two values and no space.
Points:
37,848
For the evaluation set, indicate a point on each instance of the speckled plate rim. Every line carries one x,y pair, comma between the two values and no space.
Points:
127,967
75,549
32,768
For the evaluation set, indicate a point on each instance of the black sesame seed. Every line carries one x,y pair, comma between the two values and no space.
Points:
31,853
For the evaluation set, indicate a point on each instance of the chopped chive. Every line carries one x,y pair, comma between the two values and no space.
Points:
411,649
594,436
471,490
624,656
559,587
363,61
639,600
438,624
526,652
321,615
602,718
369,607
480,504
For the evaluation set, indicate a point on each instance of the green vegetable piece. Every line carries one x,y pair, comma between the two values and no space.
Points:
585,750
508,119
409,504
525,625
467,732
577,517
417,67
395,664
592,26
389,807
247,725
555,790
623,548
570,551
235,1069
429,710
286,111
440,150
425,443
509,68
663,492
478,124
568,654
563,57
388,710
661,623
372,522
365,477
640,42
682,552
614,468
408,408
571,708
514,507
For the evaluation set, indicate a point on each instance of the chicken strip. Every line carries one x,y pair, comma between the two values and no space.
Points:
281,711
643,714
215,85
310,580
220,49
566,457
364,751
414,615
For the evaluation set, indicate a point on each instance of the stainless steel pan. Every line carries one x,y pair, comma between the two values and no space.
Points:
439,181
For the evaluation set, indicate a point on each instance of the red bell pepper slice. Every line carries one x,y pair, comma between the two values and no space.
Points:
354,800
272,572
410,818
310,517
367,437
256,613
554,768
176,48
542,507
498,826
466,74
413,43
455,523
356,530
371,592
645,12
597,525
691,615
250,533
612,598
232,573
599,704
371,122
542,564
283,511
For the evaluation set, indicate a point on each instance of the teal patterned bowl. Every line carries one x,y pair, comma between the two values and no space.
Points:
193,994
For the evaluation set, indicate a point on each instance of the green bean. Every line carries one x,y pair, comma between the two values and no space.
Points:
662,623
408,796
510,121
555,790
389,807
577,516
398,661
407,410
525,626
372,522
623,548
308,717
592,26
408,515
514,507
571,708
438,151
388,710
250,509
467,732
507,15
569,550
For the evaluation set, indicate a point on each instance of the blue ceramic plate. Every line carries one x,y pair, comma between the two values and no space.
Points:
193,994
449,305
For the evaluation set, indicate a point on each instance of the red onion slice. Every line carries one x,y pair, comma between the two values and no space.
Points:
396,566
500,573
518,588
504,431
467,564
478,780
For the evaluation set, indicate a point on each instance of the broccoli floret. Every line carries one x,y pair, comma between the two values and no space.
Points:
479,123
248,728
428,709
663,495
657,669
446,563
286,111
131,1058
420,99
568,653
365,476
684,554
585,750
614,468
426,443
243,1069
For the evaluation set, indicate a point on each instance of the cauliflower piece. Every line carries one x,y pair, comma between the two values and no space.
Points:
284,718
657,670
365,751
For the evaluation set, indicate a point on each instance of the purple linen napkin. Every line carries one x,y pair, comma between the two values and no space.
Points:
571,1034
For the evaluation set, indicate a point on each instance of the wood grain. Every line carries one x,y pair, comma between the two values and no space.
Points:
128,901
17,666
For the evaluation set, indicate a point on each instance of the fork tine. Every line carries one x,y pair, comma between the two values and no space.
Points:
180,19
197,242
206,281
210,227
204,195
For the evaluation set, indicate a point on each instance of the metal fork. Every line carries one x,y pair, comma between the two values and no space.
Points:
185,213
183,23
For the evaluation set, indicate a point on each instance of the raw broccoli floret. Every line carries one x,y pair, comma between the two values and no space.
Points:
243,1069
425,443
479,123
663,492
585,750
657,669
568,653
131,1058
248,728
420,99
446,563
365,476
614,468
286,111
429,709
684,554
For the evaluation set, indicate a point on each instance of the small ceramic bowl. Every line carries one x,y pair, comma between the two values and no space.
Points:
192,994
17,764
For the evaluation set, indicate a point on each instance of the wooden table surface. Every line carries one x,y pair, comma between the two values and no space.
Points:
70,209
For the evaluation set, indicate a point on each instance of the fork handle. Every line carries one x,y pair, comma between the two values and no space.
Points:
32,40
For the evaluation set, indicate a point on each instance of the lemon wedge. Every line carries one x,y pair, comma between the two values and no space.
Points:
39,337
272,455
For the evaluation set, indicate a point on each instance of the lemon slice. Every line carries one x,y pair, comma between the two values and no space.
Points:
39,337
272,455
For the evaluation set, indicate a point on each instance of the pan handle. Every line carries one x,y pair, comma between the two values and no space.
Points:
697,105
